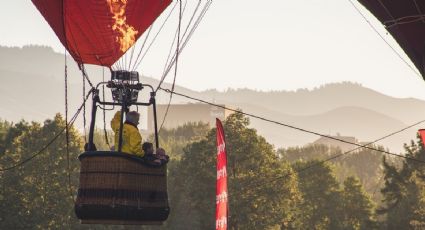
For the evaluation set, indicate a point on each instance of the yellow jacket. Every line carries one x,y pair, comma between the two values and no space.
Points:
131,138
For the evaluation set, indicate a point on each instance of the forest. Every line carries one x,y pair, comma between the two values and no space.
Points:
269,188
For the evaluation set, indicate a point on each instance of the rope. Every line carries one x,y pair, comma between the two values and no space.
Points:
168,65
383,39
85,78
198,20
175,36
104,113
259,184
302,129
84,110
404,20
419,10
175,70
143,46
70,123
84,72
66,114
67,129
137,62
172,44
131,57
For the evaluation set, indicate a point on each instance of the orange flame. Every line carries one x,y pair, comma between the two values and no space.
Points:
127,33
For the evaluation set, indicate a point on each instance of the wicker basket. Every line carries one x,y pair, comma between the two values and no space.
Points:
118,188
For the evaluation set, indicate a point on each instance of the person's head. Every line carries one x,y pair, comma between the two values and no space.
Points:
160,152
133,117
147,147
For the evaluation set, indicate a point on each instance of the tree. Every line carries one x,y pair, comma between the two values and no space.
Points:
37,194
174,141
9,132
256,202
308,152
404,190
322,196
363,163
358,208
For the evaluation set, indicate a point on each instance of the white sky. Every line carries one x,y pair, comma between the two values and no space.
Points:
265,45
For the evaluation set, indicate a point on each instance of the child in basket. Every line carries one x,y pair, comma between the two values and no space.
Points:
151,158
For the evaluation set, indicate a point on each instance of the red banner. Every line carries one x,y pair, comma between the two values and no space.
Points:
422,135
221,190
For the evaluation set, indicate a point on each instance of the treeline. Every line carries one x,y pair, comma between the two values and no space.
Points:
292,188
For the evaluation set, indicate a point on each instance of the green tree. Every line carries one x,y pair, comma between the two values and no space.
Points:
322,196
363,163
404,190
9,132
174,141
256,202
308,152
36,195
358,208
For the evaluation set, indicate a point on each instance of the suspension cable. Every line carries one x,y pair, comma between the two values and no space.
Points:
84,110
174,40
342,154
296,128
67,129
104,112
175,36
70,123
142,47
137,62
175,70
196,24
382,37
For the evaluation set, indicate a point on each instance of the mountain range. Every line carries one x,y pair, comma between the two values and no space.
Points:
32,88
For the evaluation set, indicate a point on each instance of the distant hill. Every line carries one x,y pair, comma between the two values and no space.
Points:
32,88
326,98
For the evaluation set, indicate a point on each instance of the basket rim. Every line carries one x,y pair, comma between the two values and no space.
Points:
116,154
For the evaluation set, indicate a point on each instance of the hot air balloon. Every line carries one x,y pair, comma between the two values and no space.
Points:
99,32
405,21
115,187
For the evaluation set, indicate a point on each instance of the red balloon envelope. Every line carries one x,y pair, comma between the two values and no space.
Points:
405,20
99,31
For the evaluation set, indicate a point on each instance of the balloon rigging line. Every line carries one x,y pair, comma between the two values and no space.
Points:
132,53
199,19
257,185
175,35
298,128
178,51
419,10
104,112
135,65
186,39
66,127
143,45
403,20
174,40
382,37
84,110
70,123
175,70
137,62
344,153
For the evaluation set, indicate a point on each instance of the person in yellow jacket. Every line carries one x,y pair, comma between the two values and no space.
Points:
131,138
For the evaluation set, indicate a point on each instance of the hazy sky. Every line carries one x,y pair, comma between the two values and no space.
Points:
266,45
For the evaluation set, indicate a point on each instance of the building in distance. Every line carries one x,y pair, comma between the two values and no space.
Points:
338,144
